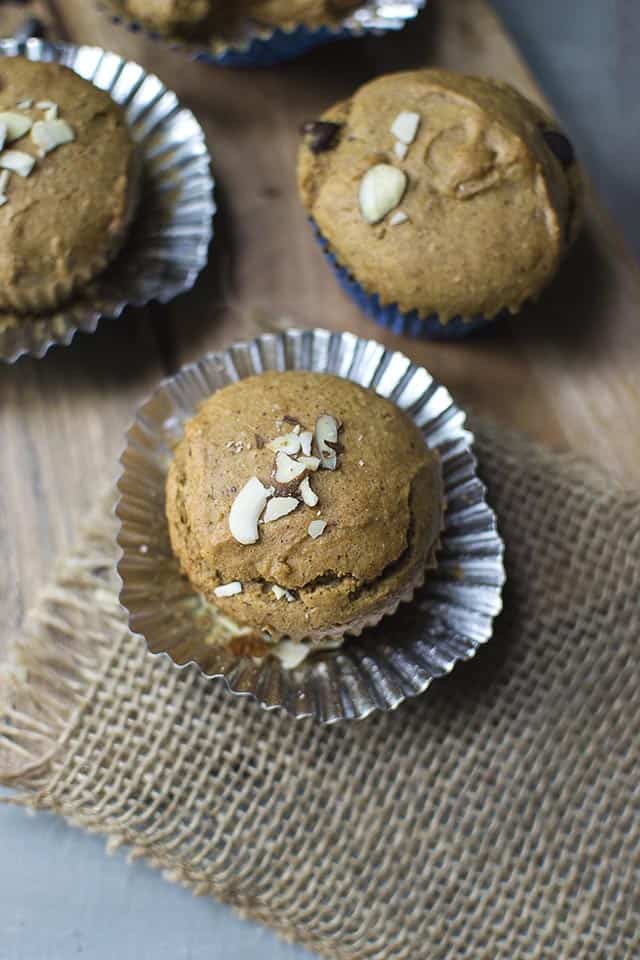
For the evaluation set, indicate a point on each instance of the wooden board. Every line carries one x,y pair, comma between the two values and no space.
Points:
565,371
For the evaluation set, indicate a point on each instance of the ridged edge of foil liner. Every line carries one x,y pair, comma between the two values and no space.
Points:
450,617
169,240
252,42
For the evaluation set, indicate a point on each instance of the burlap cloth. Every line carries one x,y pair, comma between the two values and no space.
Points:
497,816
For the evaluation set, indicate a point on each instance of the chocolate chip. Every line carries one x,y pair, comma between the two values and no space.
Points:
322,134
259,442
560,146
291,420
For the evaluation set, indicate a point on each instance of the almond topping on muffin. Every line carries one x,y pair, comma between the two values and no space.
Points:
308,496
246,510
17,161
228,589
327,428
289,443
279,507
405,127
15,125
381,190
281,594
49,134
317,528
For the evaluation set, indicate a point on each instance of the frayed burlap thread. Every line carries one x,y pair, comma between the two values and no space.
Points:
497,817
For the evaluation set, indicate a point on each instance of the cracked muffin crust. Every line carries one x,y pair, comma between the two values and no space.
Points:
442,193
351,536
69,172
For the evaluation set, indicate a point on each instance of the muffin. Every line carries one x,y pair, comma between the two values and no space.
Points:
198,16
440,195
174,16
303,505
68,183
312,13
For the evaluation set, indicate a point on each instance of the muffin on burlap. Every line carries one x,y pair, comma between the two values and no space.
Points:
68,183
443,195
197,16
303,505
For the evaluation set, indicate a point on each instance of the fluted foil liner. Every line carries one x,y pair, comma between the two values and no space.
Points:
261,46
449,617
169,239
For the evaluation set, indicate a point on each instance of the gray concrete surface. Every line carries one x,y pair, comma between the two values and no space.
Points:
60,896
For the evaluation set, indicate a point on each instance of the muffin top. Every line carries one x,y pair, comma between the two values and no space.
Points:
67,197
441,192
289,12
373,503
174,15
196,17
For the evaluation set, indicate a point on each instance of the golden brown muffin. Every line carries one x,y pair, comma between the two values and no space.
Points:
69,184
327,567
312,13
173,16
201,17
442,193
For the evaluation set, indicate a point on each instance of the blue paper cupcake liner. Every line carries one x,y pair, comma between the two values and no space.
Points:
281,45
278,48
406,324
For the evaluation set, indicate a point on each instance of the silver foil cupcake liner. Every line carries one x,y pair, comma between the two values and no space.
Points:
450,616
255,45
169,240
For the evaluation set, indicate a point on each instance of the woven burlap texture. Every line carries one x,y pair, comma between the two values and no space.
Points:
496,817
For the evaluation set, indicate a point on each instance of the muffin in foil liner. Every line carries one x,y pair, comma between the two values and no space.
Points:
168,241
450,615
257,45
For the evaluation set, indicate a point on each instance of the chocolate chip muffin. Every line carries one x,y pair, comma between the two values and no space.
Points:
303,505
441,193
68,183
199,18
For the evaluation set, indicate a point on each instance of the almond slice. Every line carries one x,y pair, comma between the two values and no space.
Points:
381,190
311,463
397,218
228,589
24,105
17,161
308,495
400,149
405,126
306,439
316,528
17,125
246,510
49,134
279,507
291,654
327,428
287,470
282,594
289,443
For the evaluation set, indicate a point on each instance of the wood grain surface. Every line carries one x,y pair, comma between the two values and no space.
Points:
565,371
